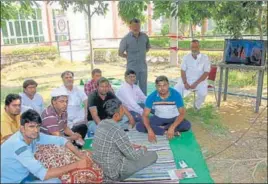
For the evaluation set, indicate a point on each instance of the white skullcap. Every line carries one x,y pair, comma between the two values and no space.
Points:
59,92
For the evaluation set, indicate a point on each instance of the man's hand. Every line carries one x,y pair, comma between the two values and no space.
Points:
187,86
170,132
132,122
75,136
193,86
151,136
83,163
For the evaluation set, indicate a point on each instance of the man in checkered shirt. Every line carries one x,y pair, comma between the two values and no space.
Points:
91,85
112,149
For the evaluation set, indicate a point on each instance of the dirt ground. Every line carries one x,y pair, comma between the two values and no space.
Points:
244,162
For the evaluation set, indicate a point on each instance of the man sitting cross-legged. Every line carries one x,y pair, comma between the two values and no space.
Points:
18,164
169,112
112,149
96,111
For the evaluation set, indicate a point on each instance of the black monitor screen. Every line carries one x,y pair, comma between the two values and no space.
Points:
249,52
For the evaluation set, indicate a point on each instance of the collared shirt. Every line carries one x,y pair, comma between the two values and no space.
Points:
111,148
194,68
17,157
52,122
130,96
136,48
94,100
165,108
92,85
76,112
8,125
37,103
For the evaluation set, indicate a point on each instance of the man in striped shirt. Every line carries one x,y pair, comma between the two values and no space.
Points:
54,117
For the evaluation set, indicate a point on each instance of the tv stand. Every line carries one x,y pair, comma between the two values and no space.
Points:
226,67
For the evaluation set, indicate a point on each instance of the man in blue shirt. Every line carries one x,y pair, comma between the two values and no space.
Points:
169,112
17,154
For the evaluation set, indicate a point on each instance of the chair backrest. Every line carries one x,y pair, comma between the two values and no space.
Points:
212,73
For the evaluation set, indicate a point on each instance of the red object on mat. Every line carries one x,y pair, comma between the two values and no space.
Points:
52,156
174,48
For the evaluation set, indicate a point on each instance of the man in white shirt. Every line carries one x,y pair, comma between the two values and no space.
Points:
131,95
29,98
195,68
77,115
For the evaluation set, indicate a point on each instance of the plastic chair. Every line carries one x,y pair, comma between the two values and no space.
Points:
211,77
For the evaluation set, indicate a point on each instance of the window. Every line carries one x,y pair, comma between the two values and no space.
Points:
23,29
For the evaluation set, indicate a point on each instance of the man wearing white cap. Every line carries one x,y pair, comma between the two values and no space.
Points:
54,118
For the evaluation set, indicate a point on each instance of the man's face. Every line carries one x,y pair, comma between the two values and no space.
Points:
14,107
135,27
30,90
61,103
103,88
68,80
96,76
162,87
195,48
31,130
131,79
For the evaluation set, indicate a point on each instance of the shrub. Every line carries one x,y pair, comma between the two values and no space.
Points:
29,54
185,44
111,55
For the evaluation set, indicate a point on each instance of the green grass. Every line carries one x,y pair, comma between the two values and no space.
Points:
207,116
6,91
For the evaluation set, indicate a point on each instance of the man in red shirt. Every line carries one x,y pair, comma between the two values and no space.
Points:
91,85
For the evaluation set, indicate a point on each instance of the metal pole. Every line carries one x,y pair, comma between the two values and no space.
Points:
57,39
70,42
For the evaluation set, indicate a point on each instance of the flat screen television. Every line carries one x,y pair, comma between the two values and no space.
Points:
248,52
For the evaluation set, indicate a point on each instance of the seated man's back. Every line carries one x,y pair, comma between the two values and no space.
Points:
112,149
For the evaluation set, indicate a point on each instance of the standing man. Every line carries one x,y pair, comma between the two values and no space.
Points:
30,99
169,112
112,149
18,164
10,116
54,118
91,85
134,47
76,98
195,68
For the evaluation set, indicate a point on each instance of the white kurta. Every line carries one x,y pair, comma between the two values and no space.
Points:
194,69
76,113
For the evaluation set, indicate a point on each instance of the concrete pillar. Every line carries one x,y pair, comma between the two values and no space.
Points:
150,18
173,31
115,19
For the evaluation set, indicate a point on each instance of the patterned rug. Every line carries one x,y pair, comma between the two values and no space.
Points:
165,162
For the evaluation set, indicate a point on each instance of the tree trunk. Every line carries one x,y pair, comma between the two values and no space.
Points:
90,38
203,28
259,23
191,31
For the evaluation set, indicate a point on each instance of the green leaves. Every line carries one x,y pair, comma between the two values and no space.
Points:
98,7
9,9
129,9
236,18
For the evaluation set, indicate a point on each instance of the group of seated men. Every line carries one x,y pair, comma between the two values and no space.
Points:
97,111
